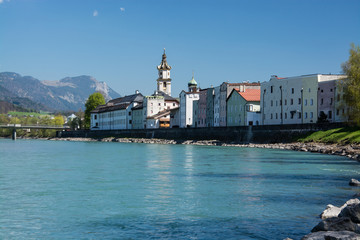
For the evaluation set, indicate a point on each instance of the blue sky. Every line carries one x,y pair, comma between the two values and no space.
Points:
121,41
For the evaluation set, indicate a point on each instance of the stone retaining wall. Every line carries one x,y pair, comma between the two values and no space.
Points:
245,134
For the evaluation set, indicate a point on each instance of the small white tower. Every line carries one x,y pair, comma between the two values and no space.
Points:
164,80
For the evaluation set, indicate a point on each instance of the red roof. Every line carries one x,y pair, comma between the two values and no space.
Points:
250,95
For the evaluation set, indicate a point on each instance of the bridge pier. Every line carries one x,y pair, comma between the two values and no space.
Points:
14,134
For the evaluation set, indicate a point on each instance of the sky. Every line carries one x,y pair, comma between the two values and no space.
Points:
121,42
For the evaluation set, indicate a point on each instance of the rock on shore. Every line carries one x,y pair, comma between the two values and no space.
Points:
351,151
340,223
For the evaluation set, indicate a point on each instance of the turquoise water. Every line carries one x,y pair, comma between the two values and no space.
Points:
95,190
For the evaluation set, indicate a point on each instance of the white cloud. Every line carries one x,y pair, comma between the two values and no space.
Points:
95,13
1,1
121,9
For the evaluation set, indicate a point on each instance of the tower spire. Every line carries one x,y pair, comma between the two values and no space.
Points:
164,80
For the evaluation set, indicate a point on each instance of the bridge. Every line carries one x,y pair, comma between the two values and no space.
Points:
19,126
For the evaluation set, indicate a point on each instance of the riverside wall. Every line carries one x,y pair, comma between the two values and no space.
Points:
242,134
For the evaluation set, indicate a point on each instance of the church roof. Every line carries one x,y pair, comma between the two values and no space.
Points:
166,96
137,97
192,82
163,65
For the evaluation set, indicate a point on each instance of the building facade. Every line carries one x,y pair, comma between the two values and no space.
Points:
293,100
217,106
202,106
186,104
115,114
243,108
164,80
225,90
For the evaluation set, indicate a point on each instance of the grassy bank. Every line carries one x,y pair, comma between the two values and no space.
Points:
346,135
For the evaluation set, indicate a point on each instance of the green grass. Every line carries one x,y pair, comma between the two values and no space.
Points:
344,135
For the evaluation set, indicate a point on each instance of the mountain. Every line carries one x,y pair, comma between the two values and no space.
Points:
68,94
11,102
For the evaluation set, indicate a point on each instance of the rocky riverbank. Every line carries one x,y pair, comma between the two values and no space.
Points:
352,150
338,223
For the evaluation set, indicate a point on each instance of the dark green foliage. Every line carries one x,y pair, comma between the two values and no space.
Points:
352,84
93,101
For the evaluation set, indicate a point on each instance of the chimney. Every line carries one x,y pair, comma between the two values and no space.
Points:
137,92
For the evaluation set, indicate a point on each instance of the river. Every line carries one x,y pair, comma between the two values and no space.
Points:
98,190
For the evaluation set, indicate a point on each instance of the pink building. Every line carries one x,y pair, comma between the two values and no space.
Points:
326,100
201,116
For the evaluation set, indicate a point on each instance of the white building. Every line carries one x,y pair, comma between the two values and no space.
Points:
164,80
115,114
186,104
292,100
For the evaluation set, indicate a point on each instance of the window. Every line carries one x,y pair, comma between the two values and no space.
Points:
305,102
292,91
276,116
159,104
299,100
285,115
322,101
129,121
331,101
331,89
164,104
271,89
306,115
95,117
285,101
330,114
129,113
173,104
311,102
299,115
309,89
96,124
311,115
292,115
271,103
271,116
291,101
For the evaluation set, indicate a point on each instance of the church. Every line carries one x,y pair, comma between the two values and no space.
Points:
137,111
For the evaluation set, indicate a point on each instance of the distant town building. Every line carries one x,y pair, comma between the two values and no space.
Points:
202,105
294,100
217,106
195,113
225,90
243,108
115,114
186,104
210,107
164,80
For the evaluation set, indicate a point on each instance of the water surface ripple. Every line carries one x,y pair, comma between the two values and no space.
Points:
95,190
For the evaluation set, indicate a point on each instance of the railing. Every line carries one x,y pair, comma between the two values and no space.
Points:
19,126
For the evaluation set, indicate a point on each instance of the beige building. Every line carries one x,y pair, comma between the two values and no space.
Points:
292,100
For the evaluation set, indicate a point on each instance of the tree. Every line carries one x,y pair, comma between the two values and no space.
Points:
59,120
351,85
93,101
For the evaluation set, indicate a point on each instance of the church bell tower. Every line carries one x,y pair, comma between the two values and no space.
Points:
164,80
